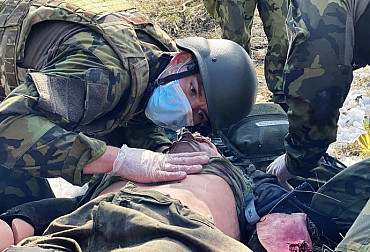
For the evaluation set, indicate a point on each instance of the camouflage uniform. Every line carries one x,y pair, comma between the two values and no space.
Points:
133,219
342,198
236,17
358,237
103,72
135,210
326,40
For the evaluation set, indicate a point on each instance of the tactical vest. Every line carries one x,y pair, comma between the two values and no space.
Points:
115,20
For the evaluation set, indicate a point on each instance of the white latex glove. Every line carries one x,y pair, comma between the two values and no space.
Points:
145,166
279,169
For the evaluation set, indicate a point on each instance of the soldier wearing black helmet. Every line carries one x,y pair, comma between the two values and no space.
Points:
103,78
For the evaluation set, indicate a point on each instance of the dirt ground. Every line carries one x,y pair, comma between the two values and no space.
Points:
183,18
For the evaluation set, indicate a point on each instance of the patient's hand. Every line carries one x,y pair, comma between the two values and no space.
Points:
206,145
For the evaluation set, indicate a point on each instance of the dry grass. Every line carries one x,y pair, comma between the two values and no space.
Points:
180,18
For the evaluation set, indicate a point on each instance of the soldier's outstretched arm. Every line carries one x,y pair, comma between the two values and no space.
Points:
145,166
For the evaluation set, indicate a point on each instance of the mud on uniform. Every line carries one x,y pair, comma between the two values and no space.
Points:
100,62
236,18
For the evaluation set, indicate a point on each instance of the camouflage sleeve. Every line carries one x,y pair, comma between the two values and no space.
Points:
344,195
142,133
317,78
235,18
32,144
38,131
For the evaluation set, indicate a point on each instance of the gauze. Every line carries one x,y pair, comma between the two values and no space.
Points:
169,107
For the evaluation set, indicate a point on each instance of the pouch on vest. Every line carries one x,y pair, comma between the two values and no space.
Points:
260,135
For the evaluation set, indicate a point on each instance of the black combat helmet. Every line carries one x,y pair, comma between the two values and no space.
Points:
228,77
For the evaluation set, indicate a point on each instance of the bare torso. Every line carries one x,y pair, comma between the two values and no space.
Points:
206,194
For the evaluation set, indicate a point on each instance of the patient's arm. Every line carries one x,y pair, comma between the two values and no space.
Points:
103,164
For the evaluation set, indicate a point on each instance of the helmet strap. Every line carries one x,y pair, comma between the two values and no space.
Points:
191,69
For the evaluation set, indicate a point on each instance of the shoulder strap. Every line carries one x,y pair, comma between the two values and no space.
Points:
11,16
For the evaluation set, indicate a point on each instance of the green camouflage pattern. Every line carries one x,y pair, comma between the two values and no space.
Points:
236,18
133,219
343,197
42,143
317,78
358,237
21,188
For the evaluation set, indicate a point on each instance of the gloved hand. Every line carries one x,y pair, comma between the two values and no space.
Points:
279,169
145,166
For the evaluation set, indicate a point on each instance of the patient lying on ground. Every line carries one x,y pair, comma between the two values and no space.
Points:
214,198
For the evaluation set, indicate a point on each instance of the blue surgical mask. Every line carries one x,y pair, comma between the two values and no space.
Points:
169,107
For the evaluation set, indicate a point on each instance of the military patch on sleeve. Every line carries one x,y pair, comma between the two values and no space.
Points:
60,95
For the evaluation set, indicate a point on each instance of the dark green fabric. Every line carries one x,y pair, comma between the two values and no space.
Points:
343,197
358,237
317,77
15,189
134,219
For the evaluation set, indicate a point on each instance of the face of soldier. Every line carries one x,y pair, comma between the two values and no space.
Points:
181,102
194,92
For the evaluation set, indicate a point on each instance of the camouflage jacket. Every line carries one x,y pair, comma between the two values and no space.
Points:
103,72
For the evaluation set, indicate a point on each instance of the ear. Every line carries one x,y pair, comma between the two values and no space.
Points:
181,57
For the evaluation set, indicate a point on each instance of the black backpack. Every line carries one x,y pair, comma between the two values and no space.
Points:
258,138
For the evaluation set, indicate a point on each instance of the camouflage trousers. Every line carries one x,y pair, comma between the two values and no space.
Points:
342,198
133,219
236,18
317,77
17,188
358,237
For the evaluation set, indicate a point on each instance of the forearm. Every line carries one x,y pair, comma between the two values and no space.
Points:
104,163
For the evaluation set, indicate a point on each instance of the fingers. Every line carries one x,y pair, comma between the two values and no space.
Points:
268,169
189,169
169,176
174,172
188,154
188,159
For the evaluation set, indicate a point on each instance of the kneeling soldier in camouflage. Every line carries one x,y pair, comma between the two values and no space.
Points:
90,76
